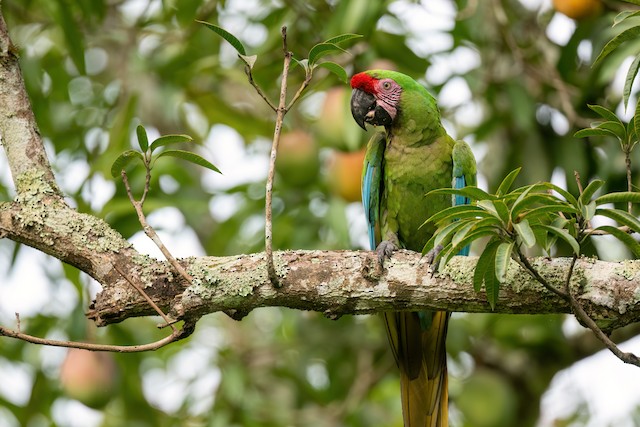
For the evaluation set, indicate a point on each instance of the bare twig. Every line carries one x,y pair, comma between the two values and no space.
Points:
169,322
303,86
579,312
176,335
524,262
577,309
576,175
149,231
281,111
596,232
627,161
147,179
259,90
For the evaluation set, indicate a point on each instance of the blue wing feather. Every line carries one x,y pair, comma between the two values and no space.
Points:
464,173
366,202
460,182
372,184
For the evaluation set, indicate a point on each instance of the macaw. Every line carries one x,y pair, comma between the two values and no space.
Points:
413,156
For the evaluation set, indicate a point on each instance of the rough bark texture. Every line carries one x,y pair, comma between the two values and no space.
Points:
335,283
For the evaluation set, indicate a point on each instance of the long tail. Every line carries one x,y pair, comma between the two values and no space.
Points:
418,344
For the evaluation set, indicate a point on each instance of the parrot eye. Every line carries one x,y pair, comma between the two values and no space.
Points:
386,85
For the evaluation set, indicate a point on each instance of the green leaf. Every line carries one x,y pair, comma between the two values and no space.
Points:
616,128
564,235
507,182
497,208
190,157
72,34
473,236
583,133
636,2
619,197
636,120
249,60
322,49
564,193
462,233
474,193
443,236
457,212
123,160
143,141
629,34
628,241
335,69
532,200
503,258
170,139
342,38
605,113
590,190
631,76
525,232
486,259
625,14
491,283
547,210
589,210
304,63
502,210
631,130
233,40
621,217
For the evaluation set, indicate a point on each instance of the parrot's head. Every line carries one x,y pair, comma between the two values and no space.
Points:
375,98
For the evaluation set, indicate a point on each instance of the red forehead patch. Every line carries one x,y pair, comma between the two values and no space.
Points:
365,82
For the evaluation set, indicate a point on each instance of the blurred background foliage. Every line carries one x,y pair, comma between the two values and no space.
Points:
513,78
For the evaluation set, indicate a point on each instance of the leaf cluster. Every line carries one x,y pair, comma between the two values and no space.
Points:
541,214
628,34
147,157
310,63
611,125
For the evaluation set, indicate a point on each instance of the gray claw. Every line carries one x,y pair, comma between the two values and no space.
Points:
432,256
384,250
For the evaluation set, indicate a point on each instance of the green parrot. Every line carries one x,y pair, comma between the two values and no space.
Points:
413,156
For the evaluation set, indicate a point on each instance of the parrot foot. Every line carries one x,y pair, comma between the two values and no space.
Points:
432,257
384,250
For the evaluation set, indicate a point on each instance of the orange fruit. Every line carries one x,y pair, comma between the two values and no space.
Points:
344,174
578,9
89,377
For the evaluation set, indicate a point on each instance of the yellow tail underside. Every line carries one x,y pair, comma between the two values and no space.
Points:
421,356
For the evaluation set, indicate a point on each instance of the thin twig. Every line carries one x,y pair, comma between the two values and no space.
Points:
259,90
281,111
582,315
524,262
303,86
576,175
149,231
176,335
147,179
596,232
169,322
577,309
627,161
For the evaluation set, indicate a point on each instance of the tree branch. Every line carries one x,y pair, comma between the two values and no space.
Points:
333,282
19,132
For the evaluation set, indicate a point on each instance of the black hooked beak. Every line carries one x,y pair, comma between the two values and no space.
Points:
362,104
